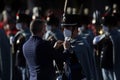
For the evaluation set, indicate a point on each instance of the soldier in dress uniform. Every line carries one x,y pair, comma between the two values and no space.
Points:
23,34
86,37
73,68
109,48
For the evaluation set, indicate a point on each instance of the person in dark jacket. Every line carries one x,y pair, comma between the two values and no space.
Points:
5,56
39,54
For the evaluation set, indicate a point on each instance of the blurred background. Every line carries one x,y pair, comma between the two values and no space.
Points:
78,5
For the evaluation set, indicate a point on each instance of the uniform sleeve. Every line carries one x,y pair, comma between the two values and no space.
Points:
57,54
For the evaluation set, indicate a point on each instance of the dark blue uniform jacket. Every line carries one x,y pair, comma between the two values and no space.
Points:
39,56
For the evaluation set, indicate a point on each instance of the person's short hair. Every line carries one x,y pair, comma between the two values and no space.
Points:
36,26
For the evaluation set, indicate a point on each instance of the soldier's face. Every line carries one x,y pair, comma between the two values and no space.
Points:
75,32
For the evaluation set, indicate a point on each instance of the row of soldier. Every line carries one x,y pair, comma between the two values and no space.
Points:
85,50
